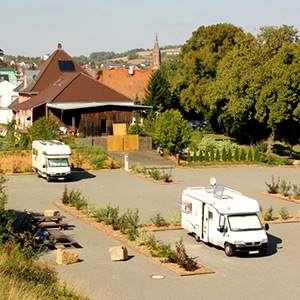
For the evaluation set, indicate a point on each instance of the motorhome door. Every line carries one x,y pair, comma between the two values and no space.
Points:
205,227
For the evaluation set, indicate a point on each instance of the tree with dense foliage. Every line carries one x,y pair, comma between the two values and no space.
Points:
43,129
171,133
200,58
278,104
232,96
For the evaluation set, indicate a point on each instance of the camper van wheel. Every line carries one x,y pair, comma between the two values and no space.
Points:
228,249
48,178
197,238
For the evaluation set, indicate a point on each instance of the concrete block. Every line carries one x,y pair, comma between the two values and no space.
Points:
64,257
51,212
118,253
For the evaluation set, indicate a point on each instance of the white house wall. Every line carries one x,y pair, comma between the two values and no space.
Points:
7,95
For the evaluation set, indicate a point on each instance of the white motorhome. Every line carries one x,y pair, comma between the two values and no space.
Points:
50,159
225,218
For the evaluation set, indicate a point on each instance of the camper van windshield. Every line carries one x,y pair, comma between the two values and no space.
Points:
244,222
58,162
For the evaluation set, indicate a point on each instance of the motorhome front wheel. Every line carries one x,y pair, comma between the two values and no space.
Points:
228,249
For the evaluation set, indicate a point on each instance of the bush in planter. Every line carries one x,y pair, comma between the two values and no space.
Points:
158,220
268,216
284,213
175,218
145,237
285,188
273,187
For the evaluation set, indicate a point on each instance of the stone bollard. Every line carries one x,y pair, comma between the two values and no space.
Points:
118,253
64,257
51,212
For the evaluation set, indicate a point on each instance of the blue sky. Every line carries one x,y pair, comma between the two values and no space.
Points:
35,27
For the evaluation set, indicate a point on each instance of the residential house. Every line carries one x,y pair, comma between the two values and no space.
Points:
7,96
61,89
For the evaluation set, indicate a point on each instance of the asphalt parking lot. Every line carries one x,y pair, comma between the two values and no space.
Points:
274,276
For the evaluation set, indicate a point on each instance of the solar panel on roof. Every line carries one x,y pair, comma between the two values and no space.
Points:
66,66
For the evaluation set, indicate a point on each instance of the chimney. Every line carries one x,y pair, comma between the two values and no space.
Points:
59,46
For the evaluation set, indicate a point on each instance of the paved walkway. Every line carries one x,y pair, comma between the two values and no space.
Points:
275,275
149,159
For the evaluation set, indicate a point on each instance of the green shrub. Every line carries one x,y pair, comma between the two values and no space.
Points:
109,215
136,129
145,237
256,155
284,213
200,155
188,157
296,191
81,135
229,155
236,154
224,155
285,188
212,154
138,169
206,155
243,155
268,216
195,158
218,156
98,162
155,174
250,155
158,220
175,218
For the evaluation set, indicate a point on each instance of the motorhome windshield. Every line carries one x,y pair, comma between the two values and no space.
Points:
58,162
244,222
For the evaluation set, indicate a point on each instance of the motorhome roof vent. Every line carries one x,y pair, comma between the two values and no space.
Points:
219,190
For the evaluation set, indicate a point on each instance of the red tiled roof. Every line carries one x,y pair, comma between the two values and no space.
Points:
127,84
73,87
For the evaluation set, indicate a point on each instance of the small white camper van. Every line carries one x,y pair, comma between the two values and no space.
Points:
225,218
50,159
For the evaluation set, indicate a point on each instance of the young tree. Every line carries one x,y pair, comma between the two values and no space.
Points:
172,133
157,92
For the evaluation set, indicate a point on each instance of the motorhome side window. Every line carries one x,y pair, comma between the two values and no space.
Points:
188,208
222,221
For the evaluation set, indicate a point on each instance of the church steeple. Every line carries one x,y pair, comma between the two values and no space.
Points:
156,57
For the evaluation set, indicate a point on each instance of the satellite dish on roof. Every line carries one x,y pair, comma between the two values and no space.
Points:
212,181
131,72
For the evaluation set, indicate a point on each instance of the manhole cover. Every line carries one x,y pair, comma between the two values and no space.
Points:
157,276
